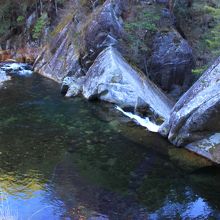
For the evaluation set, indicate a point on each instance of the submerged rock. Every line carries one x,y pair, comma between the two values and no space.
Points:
195,119
112,79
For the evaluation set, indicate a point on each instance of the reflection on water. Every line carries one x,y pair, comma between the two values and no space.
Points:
71,159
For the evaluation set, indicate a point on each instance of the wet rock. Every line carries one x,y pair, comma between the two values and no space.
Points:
72,86
3,77
171,61
5,55
195,119
112,79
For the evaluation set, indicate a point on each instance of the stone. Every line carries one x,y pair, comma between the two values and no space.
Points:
104,25
112,79
195,119
103,30
171,61
72,86
59,58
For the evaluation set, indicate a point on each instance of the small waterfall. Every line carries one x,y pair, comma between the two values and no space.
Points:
145,122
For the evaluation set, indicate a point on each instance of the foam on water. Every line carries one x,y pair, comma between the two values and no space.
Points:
13,66
20,69
3,77
24,72
145,122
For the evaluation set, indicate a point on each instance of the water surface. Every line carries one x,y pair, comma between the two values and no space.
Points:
71,159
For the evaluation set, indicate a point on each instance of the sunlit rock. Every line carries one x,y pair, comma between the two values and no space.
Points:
195,119
112,79
58,58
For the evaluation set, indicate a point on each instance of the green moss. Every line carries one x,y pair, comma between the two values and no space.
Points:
211,10
140,23
212,38
201,26
144,21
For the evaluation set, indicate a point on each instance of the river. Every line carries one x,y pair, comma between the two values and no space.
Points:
73,159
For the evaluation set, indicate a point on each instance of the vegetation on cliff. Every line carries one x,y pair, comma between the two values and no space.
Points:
200,24
14,16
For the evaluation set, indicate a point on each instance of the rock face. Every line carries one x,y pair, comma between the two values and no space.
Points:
103,29
171,61
195,119
59,58
65,56
97,70
104,26
112,79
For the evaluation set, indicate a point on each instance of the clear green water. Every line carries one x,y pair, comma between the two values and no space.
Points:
72,159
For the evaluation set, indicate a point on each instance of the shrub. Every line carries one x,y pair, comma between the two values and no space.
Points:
39,26
199,70
20,19
212,39
140,27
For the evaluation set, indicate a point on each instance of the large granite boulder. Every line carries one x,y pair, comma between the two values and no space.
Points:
112,79
195,119
171,61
